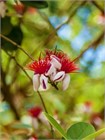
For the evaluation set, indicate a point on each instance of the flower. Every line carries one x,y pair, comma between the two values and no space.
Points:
63,65
35,112
54,67
19,8
39,67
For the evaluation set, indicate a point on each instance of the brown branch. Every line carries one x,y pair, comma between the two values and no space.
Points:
99,7
71,15
68,20
15,44
12,57
95,42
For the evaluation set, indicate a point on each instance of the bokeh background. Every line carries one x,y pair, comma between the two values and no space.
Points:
77,28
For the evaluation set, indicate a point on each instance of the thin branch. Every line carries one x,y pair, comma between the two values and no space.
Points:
71,15
99,7
15,44
12,57
52,131
95,42
51,35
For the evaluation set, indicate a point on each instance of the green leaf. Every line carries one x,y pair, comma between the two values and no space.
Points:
6,25
93,135
56,125
79,131
15,35
36,4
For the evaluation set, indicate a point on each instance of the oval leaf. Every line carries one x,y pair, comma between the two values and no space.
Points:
79,131
55,125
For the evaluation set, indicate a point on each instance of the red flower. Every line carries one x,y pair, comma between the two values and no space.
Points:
67,65
39,67
19,8
55,65
35,111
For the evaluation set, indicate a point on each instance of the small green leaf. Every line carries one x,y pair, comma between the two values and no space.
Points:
56,125
79,131
93,135
36,4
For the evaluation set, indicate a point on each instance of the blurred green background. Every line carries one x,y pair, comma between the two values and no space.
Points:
75,27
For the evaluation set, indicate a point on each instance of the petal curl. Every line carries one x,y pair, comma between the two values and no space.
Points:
43,81
51,70
55,62
59,76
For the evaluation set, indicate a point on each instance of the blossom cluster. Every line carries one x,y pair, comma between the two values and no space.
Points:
54,67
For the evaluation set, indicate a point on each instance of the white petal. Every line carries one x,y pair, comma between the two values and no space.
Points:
66,82
59,76
43,81
36,82
55,62
35,123
53,75
51,70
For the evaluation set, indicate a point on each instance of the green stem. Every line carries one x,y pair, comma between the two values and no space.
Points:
93,135
52,131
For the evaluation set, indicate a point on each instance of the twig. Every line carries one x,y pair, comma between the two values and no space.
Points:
12,57
71,15
68,20
95,42
52,131
99,7
15,44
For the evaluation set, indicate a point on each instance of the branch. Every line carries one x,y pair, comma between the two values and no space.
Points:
12,57
68,20
95,42
73,13
15,44
99,7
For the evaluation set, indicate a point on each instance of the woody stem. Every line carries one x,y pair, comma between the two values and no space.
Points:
44,106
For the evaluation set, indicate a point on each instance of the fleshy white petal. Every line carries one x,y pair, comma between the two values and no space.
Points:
53,74
55,62
59,76
66,82
35,123
51,70
43,81
36,82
